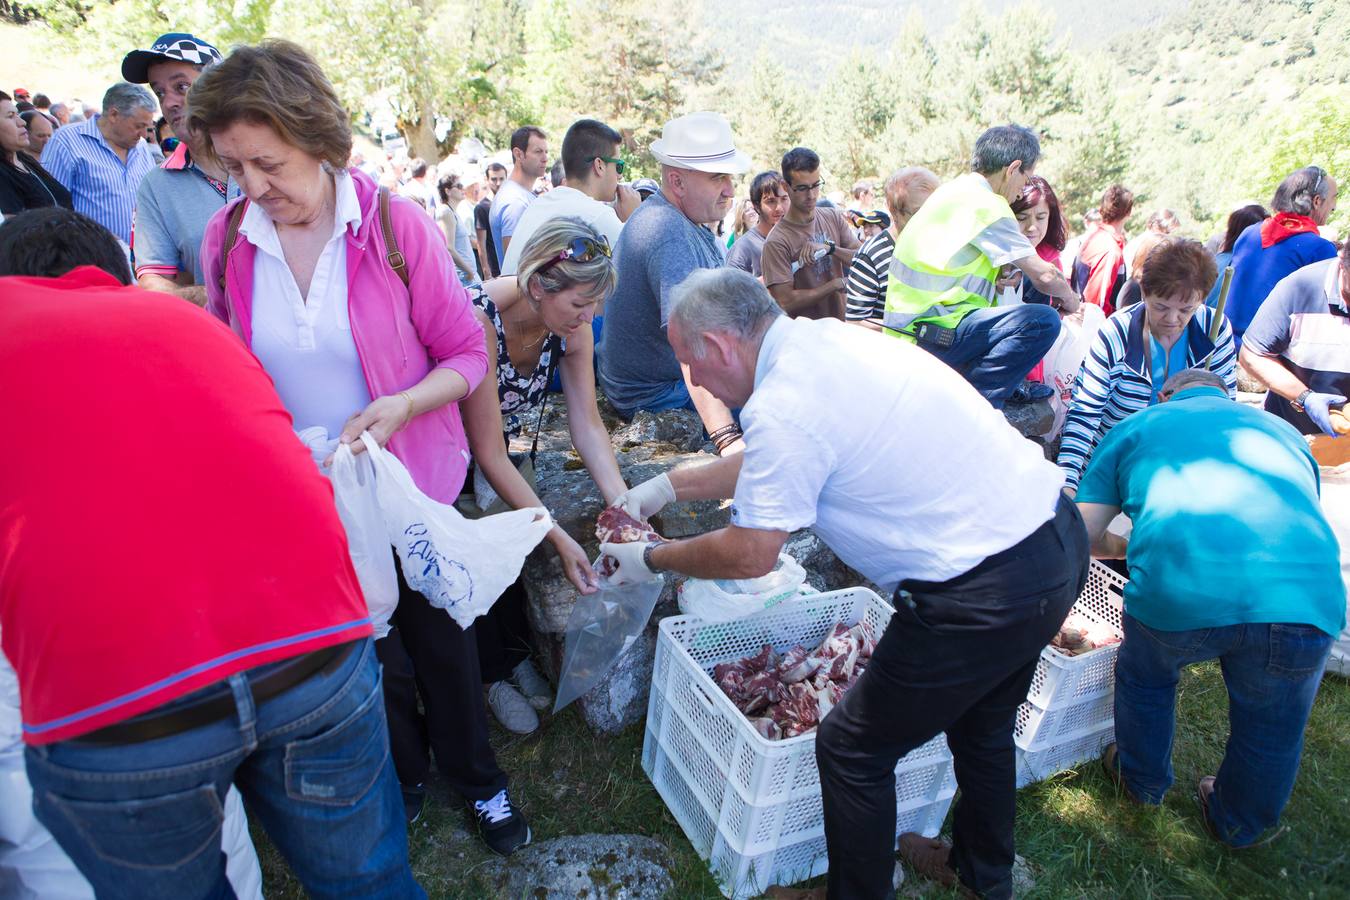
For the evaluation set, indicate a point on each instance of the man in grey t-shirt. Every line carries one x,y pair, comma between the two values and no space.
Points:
663,242
768,195
176,200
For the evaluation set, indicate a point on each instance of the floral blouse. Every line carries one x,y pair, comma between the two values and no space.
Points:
519,393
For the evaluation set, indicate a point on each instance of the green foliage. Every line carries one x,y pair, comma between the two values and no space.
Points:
630,63
1198,112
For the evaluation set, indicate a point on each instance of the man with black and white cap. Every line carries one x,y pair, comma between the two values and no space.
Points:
176,200
662,243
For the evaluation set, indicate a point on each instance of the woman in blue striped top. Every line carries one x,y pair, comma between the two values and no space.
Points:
1140,346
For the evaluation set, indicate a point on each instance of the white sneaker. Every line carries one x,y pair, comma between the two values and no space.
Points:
533,686
511,709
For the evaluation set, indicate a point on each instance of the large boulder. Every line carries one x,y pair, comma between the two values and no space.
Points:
586,867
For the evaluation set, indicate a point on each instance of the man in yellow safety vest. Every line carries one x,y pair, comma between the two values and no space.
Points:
942,289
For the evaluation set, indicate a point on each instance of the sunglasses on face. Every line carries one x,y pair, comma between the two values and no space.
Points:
619,166
580,250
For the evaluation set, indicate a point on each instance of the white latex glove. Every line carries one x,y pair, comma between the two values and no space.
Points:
645,500
632,568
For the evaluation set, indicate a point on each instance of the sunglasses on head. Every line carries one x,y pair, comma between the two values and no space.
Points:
580,250
619,165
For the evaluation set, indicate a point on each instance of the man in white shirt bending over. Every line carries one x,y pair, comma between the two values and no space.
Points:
924,488
592,192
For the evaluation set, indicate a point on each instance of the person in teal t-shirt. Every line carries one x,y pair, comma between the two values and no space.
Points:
1231,558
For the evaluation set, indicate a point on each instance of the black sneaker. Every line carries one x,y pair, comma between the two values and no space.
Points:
413,798
502,828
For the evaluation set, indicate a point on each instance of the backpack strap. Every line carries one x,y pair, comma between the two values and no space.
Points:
231,235
391,252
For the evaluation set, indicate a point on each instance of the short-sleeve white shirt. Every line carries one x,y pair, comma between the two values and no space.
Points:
306,343
561,201
916,477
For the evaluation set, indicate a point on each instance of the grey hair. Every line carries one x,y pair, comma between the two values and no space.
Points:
1295,194
1002,145
126,97
726,300
1190,378
596,276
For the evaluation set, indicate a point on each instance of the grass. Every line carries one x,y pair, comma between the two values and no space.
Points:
1080,838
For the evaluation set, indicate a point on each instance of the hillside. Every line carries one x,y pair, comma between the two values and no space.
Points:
815,34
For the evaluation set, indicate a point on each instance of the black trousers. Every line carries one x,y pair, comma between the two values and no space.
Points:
426,653
503,635
957,657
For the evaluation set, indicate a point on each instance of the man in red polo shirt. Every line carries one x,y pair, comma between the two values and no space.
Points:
177,599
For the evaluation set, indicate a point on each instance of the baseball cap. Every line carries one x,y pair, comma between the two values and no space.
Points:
176,46
646,186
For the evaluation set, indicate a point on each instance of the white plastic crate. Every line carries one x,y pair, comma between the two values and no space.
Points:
1063,679
1072,695
1040,729
751,806
1038,765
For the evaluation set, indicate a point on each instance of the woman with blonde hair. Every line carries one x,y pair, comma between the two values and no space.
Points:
536,321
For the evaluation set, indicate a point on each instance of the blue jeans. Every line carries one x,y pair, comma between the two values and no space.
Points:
1272,672
143,821
675,396
995,348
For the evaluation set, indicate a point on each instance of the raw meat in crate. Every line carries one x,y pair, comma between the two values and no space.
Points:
789,695
1079,635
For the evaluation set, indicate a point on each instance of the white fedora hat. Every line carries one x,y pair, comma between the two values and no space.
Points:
701,141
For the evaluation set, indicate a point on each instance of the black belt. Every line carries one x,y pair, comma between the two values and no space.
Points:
219,703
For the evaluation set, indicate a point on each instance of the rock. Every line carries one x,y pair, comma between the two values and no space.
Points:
586,867
1032,420
681,428
620,699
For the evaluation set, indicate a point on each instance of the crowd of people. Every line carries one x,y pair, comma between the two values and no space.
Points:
180,609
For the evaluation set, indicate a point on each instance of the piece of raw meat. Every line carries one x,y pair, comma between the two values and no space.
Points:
761,690
615,526
767,728
763,661
797,665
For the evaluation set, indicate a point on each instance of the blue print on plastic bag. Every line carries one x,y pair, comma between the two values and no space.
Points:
444,582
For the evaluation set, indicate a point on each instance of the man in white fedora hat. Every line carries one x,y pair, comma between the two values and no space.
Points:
662,243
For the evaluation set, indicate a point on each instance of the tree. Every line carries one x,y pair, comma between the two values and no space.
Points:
431,62
768,117
629,63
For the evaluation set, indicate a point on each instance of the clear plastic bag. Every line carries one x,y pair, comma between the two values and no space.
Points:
602,626
723,601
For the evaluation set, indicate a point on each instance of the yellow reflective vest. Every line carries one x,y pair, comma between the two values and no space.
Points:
937,275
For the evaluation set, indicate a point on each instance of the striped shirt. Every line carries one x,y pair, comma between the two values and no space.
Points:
100,184
1115,381
865,291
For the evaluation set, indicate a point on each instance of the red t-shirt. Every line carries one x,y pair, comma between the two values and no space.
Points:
161,527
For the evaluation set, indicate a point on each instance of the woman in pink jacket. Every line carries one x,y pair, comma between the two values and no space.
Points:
361,330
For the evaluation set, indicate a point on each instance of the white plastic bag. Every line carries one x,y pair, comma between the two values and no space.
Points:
460,565
372,553
358,507
1066,357
1336,507
722,601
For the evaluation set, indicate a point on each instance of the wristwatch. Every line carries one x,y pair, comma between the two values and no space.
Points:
832,245
647,556
1297,402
